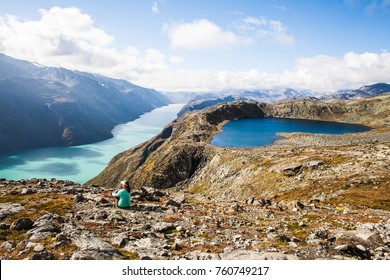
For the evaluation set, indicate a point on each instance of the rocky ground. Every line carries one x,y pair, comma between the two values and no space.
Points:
53,219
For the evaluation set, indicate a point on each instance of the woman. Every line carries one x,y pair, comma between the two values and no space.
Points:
123,195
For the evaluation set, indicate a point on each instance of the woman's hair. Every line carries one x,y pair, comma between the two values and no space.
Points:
126,184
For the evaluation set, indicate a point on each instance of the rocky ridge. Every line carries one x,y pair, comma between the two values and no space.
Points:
53,219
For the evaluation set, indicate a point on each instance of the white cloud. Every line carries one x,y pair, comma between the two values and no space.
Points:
265,29
350,71
201,34
155,8
176,59
321,73
68,38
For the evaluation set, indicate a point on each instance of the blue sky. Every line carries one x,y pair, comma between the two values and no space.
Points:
204,45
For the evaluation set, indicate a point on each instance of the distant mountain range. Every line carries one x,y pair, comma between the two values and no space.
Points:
47,106
363,92
203,100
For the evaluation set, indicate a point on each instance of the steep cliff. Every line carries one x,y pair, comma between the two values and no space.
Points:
181,156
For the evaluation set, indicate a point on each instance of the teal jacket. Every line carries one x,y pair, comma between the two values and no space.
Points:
124,198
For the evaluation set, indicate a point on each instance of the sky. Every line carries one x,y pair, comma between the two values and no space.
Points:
206,45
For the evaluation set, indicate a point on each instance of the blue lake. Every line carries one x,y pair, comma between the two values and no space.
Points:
254,132
81,163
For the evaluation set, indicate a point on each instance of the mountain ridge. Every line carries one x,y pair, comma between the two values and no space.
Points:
205,100
47,106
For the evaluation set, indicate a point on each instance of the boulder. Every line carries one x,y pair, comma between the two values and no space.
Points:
43,256
8,209
354,250
120,240
93,248
320,233
176,201
254,255
162,226
23,223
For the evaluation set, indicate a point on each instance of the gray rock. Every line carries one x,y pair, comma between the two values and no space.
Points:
253,255
93,248
361,248
7,246
27,191
198,255
38,236
46,223
101,215
164,253
79,198
8,209
120,240
23,223
117,217
321,197
320,233
14,191
313,164
39,248
62,237
43,256
354,251
295,205
341,248
262,202
176,201
145,243
162,226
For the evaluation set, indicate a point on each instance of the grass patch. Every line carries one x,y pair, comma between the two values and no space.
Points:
338,159
200,188
12,235
30,213
366,195
204,235
129,255
59,204
204,248
298,231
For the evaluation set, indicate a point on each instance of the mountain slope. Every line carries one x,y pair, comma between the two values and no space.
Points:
362,92
181,156
45,106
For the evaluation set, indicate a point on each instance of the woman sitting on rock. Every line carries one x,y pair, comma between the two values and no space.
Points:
123,195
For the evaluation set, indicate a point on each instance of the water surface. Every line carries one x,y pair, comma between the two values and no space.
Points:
81,163
254,132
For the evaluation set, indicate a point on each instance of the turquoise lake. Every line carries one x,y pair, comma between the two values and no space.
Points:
81,163
254,132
